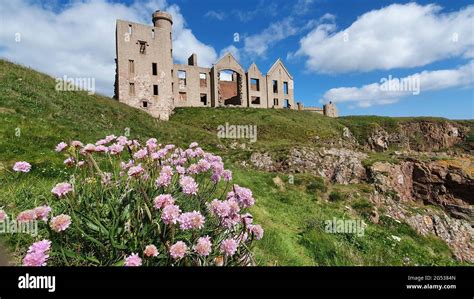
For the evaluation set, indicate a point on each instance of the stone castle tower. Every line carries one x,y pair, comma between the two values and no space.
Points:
145,65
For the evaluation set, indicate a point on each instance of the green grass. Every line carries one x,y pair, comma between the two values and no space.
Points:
293,219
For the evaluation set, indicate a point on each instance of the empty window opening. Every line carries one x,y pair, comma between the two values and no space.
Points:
155,89
183,96
286,104
204,99
182,78
154,68
227,75
275,86
145,104
275,102
254,84
131,67
129,29
131,89
142,47
255,100
153,33
202,79
285,87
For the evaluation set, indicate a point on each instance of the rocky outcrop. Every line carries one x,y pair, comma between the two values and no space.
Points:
457,233
437,183
341,166
420,135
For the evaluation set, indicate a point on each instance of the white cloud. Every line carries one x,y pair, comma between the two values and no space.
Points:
218,15
302,7
79,39
258,44
232,50
382,93
396,36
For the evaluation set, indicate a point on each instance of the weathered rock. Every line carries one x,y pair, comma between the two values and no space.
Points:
262,161
342,166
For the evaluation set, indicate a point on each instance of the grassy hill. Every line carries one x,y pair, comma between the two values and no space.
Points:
34,118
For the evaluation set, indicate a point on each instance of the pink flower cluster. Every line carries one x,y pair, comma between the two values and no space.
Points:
189,186
178,250
40,213
37,254
170,214
22,166
133,260
191,220
61,189
60,223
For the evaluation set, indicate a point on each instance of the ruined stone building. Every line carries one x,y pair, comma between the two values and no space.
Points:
147,78
328,109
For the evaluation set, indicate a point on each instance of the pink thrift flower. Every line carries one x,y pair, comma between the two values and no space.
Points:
170,214
101,149
122,140
26,216
61,189
180,169
150,251
219,208
164,179
101,142
141,154
80,163
22,166
135,170
191,220
115,149
40,246
3,215
242,195
247,218
229,247
163,200
37,254
203,165
188,185
61,146
193,145
110,138
256,230
178,250
69,161
203,246
227,175
42,212
60,223
133,260
77,143
89,148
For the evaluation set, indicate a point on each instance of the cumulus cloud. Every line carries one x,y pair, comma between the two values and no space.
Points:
390,89
218,15
396,36
232,50
259,43
78,40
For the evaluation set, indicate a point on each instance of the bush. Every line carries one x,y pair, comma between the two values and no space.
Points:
132,204
336,196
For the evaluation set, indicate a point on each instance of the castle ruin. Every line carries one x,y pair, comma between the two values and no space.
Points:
147,78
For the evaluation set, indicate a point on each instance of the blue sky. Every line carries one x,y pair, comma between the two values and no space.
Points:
335,50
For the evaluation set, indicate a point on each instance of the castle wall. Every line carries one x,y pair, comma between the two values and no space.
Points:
253,94
194,87
280,75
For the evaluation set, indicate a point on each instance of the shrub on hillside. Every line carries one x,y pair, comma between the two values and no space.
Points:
144,204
